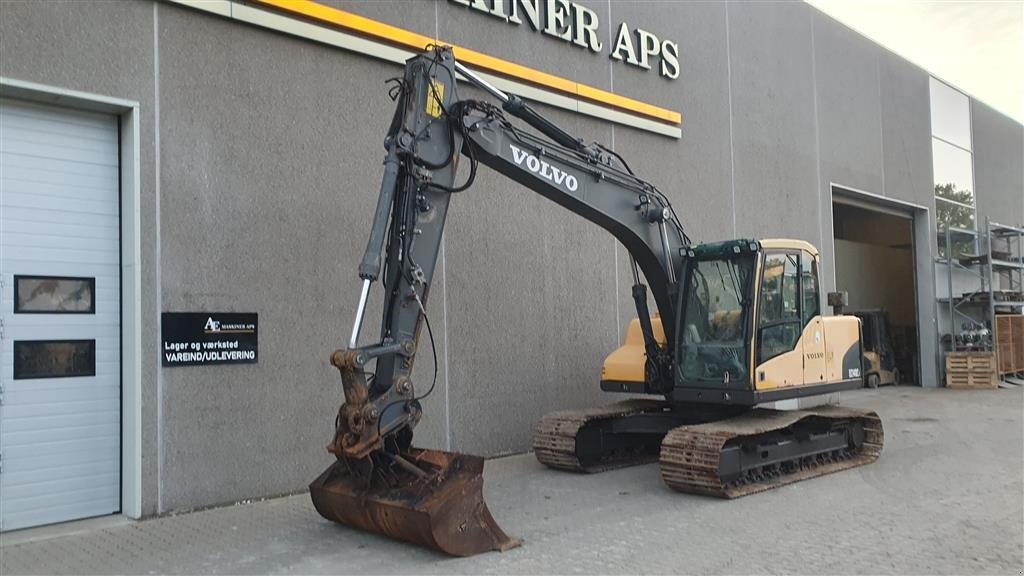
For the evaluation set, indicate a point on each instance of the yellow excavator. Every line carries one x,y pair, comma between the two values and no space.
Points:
738,325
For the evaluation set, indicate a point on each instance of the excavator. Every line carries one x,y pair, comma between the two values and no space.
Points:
738,325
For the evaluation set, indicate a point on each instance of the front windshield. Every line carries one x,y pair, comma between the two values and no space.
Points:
712,346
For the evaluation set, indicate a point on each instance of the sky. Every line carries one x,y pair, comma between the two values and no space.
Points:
977,45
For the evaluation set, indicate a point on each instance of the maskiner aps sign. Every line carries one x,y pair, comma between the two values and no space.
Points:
579,25
202,338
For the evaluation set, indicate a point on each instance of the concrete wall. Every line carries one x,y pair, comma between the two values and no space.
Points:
104,48
998,166
260,162
263,211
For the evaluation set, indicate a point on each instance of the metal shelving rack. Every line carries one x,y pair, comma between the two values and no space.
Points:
1010,268
1006,242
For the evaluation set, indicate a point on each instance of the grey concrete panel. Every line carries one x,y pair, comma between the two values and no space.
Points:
415,15
271,167
520,44
927,318
693,171
773,121
848,113
906,131
699,30
848,106
998,143
103,48
530,308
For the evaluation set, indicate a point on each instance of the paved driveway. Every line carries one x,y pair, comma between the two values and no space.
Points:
946,496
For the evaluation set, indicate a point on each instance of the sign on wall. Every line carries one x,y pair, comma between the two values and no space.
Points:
579,25
203,338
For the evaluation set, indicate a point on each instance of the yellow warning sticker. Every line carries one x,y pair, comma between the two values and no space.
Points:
435,97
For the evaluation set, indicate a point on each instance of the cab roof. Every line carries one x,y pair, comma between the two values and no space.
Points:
730,247
788,244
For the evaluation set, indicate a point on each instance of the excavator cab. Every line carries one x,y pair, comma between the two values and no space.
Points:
750,329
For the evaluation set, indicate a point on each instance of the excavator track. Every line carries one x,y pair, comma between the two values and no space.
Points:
766,449
556,435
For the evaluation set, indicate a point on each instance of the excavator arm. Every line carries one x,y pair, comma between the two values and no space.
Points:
431,134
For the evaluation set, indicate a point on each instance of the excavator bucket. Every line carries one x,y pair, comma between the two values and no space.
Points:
443,510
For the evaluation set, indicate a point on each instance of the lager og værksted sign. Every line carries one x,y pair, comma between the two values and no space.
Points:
201,338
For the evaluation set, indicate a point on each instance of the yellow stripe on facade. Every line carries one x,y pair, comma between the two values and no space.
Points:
417,42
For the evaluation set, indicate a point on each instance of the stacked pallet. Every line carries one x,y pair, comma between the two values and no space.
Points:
971,370
1010,343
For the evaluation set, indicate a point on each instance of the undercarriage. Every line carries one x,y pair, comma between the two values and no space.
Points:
726,453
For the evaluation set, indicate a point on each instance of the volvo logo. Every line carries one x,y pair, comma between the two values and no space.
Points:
543,169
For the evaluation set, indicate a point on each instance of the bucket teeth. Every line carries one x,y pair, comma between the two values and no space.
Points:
444,511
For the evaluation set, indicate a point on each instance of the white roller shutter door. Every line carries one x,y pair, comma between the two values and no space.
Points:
60,416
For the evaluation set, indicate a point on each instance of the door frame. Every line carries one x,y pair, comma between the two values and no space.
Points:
922,255
127,112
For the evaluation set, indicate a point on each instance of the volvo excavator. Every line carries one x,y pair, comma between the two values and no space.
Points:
738,325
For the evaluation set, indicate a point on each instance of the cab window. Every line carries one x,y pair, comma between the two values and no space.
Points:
809,286
780,323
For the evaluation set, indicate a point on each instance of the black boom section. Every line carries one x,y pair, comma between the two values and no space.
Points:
620,203
421,160
430,133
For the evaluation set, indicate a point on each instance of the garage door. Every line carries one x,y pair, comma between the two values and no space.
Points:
60,321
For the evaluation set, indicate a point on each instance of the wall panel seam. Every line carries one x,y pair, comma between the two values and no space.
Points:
159,259
732,155
817,158
615,244
881,129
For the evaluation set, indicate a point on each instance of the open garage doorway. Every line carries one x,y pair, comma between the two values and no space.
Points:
875,264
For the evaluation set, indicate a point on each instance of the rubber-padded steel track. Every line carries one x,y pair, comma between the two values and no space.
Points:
554,436
690,455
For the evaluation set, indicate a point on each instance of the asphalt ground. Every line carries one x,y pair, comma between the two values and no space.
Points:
945,497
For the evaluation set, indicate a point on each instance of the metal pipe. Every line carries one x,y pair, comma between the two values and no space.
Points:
359,313
668,252
480,82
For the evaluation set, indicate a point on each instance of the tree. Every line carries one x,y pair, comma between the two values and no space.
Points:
949,215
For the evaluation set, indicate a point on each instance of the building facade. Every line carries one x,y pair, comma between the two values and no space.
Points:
224,156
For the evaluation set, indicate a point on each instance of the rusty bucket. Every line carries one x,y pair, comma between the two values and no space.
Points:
444,511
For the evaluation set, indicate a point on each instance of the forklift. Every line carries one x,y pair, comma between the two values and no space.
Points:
879,357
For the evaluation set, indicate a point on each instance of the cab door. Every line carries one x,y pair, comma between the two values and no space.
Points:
779,357
813,336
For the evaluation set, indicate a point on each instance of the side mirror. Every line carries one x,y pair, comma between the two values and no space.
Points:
838,301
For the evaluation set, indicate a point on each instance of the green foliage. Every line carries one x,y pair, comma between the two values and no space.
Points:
952,215
955,216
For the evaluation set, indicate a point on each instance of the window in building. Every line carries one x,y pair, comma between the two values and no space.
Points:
951,115
54,295
953,171
54,358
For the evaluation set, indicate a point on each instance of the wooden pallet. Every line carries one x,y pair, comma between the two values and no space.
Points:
971,370
1010,343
